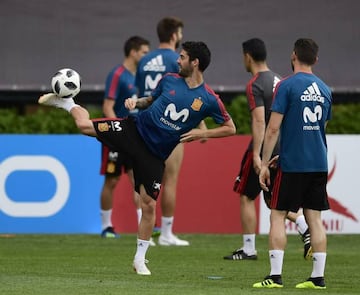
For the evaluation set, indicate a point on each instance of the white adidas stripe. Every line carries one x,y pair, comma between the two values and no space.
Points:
158,61
313,89
317,90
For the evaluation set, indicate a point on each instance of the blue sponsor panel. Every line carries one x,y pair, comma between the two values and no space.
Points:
49,184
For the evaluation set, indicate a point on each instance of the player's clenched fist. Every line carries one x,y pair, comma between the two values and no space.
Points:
130,103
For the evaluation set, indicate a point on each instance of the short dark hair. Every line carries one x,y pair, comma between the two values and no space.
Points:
198,50
167,26
306,50
256,48
134,42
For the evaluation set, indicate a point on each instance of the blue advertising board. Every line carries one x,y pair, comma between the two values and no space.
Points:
49,184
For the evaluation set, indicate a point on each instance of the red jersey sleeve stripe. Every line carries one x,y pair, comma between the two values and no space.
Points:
250,94
224,113
115,82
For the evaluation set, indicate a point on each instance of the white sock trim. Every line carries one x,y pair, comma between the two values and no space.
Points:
71,106
167,225
301,224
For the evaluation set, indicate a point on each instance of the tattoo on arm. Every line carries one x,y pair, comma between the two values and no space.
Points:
144,102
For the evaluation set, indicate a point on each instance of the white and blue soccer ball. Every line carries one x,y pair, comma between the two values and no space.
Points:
66,83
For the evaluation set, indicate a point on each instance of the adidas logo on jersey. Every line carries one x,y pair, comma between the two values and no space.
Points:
156,64
312,93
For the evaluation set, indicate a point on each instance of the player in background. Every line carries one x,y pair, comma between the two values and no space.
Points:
259,93
174,110
120,85
150,70
299,114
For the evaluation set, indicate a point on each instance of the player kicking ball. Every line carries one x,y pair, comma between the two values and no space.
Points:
173,111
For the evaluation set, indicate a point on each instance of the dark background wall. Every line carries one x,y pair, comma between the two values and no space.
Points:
40,36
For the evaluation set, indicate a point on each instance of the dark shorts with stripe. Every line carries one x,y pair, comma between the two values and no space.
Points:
122,135
247,181
292,191
113,162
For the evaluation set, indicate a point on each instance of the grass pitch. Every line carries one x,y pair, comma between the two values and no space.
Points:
87,264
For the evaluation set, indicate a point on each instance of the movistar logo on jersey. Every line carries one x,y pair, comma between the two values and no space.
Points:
151,83
174,115
311,115
312,93
156,64
113,156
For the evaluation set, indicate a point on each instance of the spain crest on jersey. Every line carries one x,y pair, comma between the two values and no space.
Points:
110,167
103,127
197,103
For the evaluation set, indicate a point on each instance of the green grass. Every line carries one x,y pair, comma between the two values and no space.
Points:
87,264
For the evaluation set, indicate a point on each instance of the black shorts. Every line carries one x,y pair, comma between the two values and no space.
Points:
295,190
247,181
113,162
122,135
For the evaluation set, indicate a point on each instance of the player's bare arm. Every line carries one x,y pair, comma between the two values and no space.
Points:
226,129
203,126
258,132
271,137
108,108
140,103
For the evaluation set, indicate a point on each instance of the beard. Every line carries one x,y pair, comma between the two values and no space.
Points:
292,61
185,72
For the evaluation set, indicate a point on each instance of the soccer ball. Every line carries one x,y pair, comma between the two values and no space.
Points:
66,83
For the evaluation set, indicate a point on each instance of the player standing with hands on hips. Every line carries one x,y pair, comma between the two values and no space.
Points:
174,110
300,111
